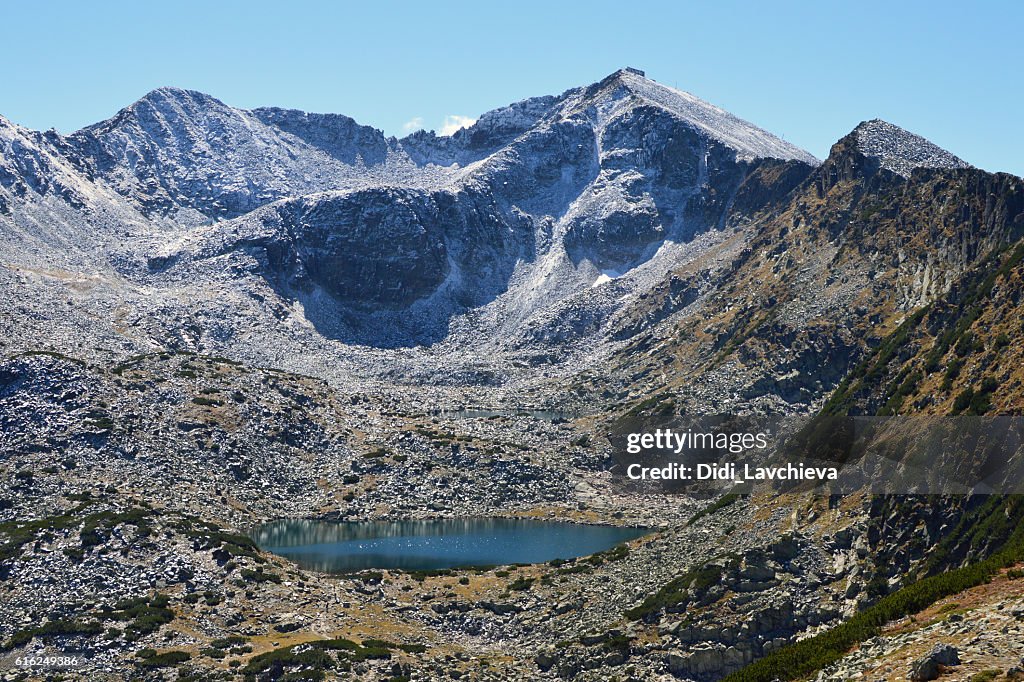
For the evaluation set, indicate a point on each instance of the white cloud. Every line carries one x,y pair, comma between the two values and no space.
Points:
413,125
455,122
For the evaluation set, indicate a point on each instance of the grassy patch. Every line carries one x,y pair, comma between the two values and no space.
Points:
984,676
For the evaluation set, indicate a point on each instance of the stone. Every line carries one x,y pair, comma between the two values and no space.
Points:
930,666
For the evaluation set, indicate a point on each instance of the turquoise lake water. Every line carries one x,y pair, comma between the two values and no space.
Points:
339,547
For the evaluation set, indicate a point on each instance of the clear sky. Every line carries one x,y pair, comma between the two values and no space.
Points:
808,71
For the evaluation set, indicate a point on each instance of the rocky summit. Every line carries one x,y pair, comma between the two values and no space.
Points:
214,318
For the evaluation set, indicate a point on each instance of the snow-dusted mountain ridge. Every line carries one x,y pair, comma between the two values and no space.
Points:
178,147
530,228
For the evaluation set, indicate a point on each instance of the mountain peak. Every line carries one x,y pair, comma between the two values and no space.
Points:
170,92
164,102
899,150
749,141
625,72
177,98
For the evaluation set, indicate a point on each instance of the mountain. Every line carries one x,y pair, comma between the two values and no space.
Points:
520,214
554,231
180,149
623,228
216,317
778,318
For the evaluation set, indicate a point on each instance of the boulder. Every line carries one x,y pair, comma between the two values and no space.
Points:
931,665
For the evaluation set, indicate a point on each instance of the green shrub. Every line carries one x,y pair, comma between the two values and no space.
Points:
312,661
965,345
521,584
951,373
55,628
227,642
377,644
984,676
164,660
719,504
338,644
143,616
260,576
676,591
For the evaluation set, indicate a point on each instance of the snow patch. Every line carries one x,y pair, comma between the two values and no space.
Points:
605,276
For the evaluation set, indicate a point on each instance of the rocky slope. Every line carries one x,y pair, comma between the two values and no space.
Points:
953,356
777,320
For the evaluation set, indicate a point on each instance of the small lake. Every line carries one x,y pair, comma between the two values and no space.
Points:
339,547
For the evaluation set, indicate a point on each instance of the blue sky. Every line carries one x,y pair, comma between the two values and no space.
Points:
808,71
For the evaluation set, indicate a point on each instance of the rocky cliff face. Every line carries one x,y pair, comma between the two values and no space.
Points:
901,151
32,165
386,248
